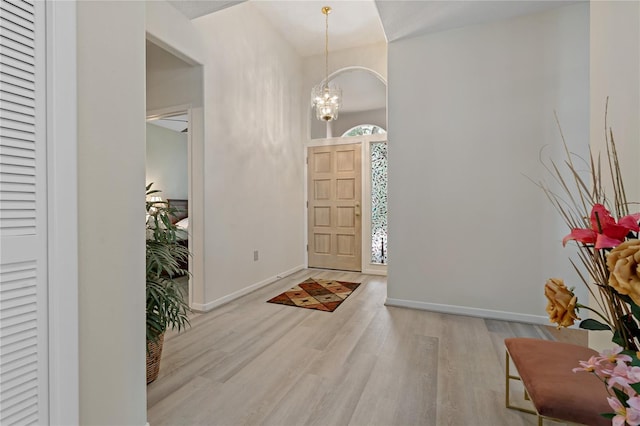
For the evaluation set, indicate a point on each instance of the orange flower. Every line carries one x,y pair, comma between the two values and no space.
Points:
624,264
561,305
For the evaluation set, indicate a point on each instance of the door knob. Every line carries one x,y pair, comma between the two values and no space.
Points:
357,209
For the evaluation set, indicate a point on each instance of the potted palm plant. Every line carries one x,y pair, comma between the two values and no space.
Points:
166,306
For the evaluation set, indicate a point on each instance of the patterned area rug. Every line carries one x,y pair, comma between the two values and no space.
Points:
314,293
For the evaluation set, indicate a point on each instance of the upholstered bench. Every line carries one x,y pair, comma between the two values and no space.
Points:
545,368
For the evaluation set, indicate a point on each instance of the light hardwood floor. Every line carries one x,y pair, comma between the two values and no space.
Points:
256,363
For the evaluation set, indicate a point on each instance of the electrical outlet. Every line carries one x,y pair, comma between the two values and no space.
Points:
255,255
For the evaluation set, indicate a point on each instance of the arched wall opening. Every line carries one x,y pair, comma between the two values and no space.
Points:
364,100
364,103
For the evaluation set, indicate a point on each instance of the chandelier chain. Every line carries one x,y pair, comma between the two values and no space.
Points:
326,100
326,46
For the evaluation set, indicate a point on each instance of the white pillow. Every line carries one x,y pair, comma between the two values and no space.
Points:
183,224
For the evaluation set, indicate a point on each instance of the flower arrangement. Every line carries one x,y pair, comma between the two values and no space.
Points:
609,253
621,374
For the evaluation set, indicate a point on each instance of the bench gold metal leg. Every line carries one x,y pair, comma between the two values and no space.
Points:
508,378
506,395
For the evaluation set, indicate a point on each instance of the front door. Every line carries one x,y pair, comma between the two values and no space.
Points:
335,193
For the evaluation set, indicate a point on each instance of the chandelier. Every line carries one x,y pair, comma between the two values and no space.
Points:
325,99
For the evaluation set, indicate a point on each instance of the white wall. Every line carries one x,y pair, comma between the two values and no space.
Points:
373,57
615,71
349,120
469,110
166,162
111,155
253,152
170,29
170,80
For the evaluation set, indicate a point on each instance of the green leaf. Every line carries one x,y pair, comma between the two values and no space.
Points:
622,397
636,387
630,322
608,415
635,309
617,339
591,324
625,298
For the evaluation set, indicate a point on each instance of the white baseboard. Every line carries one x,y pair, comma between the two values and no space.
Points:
236,294
472,312
374,272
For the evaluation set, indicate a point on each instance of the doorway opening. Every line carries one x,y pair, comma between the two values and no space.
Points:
174,87
167,169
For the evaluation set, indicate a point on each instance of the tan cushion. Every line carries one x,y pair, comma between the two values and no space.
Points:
556,391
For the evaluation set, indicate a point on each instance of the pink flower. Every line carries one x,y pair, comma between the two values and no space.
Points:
590,366
604,231
604,365
633,412
625,415
620,417
624,376
613,355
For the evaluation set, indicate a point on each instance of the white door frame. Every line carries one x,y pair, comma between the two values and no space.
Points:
365,145
62,191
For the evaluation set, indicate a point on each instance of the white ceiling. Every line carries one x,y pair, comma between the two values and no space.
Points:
351,23
356,23
195,8
177,123
402,18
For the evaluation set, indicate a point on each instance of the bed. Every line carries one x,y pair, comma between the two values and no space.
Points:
181,220
181,216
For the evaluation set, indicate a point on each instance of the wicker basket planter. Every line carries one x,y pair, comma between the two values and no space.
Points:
154,351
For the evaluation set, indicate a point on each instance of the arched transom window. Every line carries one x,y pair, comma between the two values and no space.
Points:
364,129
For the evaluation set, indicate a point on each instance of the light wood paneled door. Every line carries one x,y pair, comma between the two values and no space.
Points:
335,199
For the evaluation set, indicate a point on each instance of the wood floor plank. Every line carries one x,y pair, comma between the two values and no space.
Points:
305,394
255,363
172,409
345,387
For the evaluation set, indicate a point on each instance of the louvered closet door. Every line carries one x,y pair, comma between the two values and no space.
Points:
23,267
